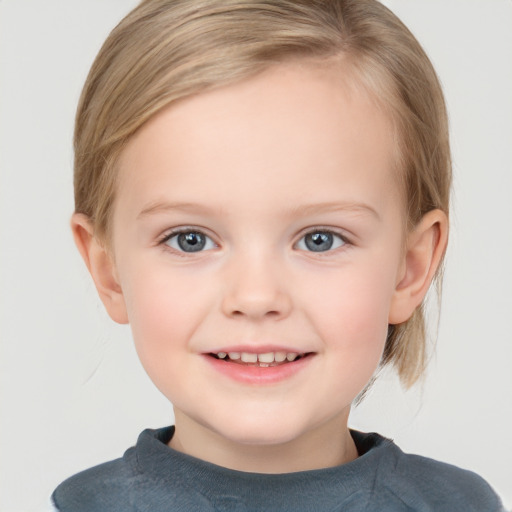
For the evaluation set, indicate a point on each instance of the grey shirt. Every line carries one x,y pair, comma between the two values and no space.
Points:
153,477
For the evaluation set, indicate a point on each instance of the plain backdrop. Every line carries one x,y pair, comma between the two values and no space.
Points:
73,393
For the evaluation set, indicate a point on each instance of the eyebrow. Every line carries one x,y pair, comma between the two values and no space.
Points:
335,206
162,207
303,210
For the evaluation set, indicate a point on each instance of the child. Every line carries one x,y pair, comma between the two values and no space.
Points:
262,192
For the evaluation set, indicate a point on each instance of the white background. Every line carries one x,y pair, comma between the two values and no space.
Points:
72,391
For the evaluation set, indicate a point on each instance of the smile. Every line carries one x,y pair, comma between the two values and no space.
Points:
263,360
259,368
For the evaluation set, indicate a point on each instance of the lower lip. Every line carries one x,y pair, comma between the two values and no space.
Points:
258,375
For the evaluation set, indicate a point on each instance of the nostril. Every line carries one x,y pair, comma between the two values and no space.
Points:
255,303
272,313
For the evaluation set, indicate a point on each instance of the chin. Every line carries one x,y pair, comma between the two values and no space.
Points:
262,431
259,438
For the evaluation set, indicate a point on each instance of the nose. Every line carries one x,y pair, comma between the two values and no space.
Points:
256,290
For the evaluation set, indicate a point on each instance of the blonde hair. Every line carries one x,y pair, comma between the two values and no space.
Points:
166,50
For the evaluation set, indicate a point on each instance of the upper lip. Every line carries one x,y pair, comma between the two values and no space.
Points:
257,349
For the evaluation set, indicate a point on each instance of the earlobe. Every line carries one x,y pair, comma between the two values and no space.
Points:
101,267
426,245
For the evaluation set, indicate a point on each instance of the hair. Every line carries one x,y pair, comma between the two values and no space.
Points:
167,50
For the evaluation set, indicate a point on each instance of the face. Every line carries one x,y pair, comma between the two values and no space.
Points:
257,237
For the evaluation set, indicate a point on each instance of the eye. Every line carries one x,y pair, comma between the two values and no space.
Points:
189,241
320,241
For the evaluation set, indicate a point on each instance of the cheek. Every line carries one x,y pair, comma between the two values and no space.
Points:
164,310
351,312
354,328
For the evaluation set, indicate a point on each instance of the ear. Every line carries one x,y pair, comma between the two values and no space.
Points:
426,245
101,267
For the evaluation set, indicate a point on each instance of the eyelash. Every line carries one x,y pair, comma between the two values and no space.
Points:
324,231
175,233
191,230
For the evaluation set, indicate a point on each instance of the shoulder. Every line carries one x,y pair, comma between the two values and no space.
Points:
145,478
425,484
98,488
440,483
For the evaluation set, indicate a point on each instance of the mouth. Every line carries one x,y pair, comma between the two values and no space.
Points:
261,360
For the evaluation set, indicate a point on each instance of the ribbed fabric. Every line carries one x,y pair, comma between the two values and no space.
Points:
153,477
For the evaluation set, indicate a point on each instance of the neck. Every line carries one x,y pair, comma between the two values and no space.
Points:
328,445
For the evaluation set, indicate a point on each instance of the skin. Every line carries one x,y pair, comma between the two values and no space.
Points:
255,166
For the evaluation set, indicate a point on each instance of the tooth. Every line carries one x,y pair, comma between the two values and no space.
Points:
221,355
291,357
280,357
248,357
234,355
268,357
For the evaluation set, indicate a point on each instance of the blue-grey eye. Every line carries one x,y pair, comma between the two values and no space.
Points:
190,241
320,241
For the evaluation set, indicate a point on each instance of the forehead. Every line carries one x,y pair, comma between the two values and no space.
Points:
291,133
